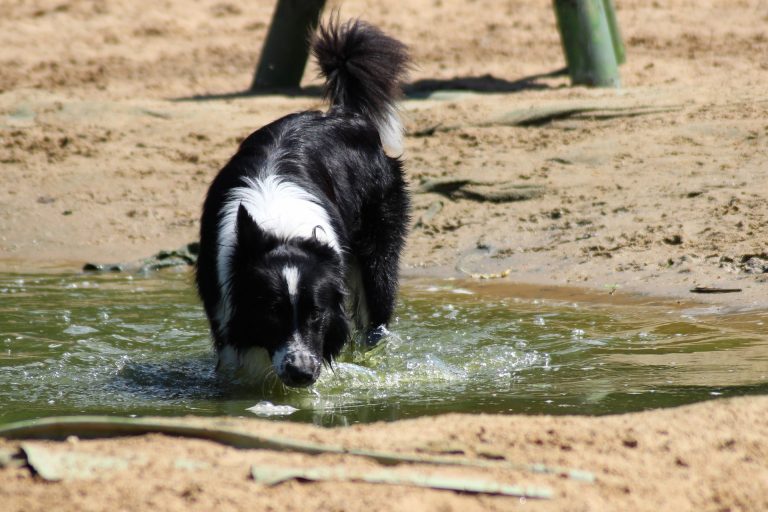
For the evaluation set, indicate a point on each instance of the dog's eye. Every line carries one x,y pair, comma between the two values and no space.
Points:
274,309
316,316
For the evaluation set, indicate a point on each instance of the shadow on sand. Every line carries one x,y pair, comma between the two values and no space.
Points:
421,89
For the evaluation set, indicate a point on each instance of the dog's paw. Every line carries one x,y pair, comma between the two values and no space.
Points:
375,335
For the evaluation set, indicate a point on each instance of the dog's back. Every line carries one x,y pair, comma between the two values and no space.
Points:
303,199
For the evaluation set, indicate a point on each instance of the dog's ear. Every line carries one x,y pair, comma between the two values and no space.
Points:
337,332
319,229
247,229
336,335
250,236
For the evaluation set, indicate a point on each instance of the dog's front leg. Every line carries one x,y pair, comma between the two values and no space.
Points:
379,279
379,262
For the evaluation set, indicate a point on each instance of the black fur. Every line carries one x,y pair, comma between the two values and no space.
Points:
362,67
338,158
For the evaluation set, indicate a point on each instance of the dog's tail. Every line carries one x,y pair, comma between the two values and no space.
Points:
363,68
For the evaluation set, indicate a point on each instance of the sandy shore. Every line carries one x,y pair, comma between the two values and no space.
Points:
704,457
114,116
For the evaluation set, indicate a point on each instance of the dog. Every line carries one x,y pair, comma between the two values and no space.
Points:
302,230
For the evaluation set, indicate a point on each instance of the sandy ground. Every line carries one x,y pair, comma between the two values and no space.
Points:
115,115
705,457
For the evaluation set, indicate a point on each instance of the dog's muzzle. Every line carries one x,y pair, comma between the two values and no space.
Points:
297,367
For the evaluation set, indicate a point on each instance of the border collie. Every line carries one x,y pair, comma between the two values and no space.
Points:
302,229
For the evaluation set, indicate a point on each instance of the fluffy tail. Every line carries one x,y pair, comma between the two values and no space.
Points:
363,68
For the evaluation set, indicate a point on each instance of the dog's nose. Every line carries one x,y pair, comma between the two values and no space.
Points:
298,376
298,373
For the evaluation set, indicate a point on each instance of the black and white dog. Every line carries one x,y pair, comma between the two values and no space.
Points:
303,228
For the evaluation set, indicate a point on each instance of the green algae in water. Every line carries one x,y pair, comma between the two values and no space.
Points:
135,345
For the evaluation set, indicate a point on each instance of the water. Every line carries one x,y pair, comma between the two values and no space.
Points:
137,345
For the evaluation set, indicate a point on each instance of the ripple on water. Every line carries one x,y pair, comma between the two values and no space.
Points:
134,345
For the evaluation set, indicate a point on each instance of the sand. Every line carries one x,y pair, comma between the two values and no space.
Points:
704,457
114,116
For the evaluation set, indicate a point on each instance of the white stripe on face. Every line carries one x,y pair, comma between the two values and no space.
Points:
291,275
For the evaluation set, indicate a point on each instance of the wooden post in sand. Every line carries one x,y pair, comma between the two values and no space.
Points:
587,42
613,26
286,49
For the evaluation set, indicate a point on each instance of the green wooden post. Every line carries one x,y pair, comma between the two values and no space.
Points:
286,49
587,42
613,26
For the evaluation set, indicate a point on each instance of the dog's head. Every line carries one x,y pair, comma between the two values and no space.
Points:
287,297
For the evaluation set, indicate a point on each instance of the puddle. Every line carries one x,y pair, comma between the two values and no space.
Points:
137,345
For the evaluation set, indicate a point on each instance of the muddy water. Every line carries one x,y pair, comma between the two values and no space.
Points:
137,345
